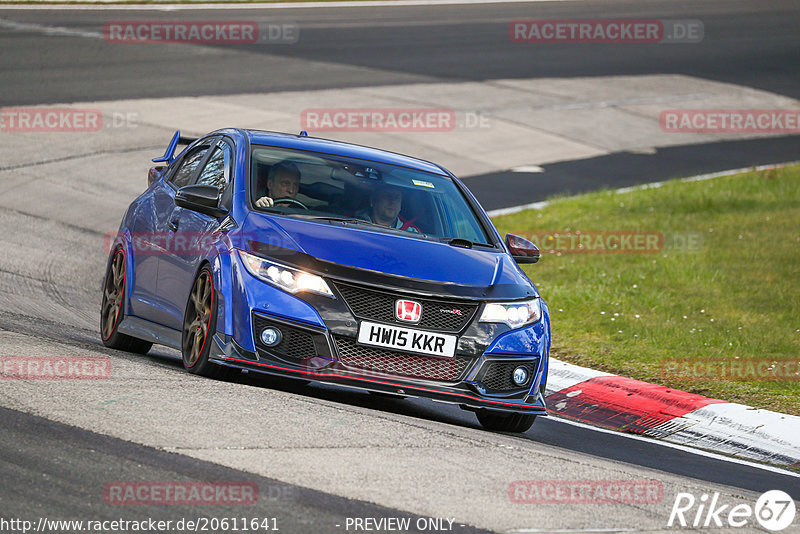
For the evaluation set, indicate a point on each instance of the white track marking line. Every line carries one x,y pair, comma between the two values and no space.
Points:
699,178
275,5
684,448
48,30
528,168
526,530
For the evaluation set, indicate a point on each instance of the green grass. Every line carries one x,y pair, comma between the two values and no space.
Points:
736,295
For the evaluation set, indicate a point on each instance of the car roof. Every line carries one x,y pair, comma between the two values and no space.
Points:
339,148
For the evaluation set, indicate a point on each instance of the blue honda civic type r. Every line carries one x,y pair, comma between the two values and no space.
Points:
329,262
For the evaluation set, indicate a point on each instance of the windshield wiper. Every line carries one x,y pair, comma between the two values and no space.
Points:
345,220
370,223
458,242
463,243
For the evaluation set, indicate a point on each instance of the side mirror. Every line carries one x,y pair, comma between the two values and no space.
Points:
200,198
154,175
522,250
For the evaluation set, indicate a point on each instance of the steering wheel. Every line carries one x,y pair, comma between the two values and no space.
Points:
289,200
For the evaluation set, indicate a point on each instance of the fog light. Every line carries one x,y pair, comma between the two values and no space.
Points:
270,336
520,376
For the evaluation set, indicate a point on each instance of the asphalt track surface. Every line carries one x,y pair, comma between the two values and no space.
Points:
609,445
54,469
747,43
625,169
57,469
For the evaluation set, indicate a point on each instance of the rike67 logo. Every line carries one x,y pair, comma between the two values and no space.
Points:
774,510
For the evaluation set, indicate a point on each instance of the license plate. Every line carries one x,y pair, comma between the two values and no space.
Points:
407,339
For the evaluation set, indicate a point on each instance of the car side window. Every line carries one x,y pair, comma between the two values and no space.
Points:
184,173
216,172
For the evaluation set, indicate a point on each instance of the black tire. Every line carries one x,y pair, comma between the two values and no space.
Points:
505,422
199,326
111,309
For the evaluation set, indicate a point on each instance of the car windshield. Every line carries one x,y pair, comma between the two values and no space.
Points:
380,196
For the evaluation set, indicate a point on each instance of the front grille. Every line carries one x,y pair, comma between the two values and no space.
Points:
440,315
498,375
386,362
296,344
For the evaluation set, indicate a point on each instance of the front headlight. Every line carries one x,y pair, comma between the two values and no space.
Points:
286,278
514,314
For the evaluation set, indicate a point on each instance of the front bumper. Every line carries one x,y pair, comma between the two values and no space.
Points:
310,352
462,393
319,334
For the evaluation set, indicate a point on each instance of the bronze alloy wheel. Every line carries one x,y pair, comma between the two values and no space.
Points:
197,323
113,291
199,326
113,308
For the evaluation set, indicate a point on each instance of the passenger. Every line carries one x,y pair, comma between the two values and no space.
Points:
283,182
385,205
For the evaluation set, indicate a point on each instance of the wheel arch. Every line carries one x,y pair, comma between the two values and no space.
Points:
220,268
122,241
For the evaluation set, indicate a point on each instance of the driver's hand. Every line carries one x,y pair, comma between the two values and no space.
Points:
264,202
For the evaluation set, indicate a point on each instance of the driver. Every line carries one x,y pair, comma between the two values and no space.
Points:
385,205
283,182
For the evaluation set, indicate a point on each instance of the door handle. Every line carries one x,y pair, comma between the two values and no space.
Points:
173,224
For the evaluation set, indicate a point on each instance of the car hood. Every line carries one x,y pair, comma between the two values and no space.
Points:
358,252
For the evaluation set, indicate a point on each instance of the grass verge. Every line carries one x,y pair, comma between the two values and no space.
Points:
709,302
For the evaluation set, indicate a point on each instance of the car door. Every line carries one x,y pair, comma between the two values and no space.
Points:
192,235
154,237
143,257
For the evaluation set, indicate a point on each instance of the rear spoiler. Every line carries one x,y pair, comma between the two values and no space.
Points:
177,139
